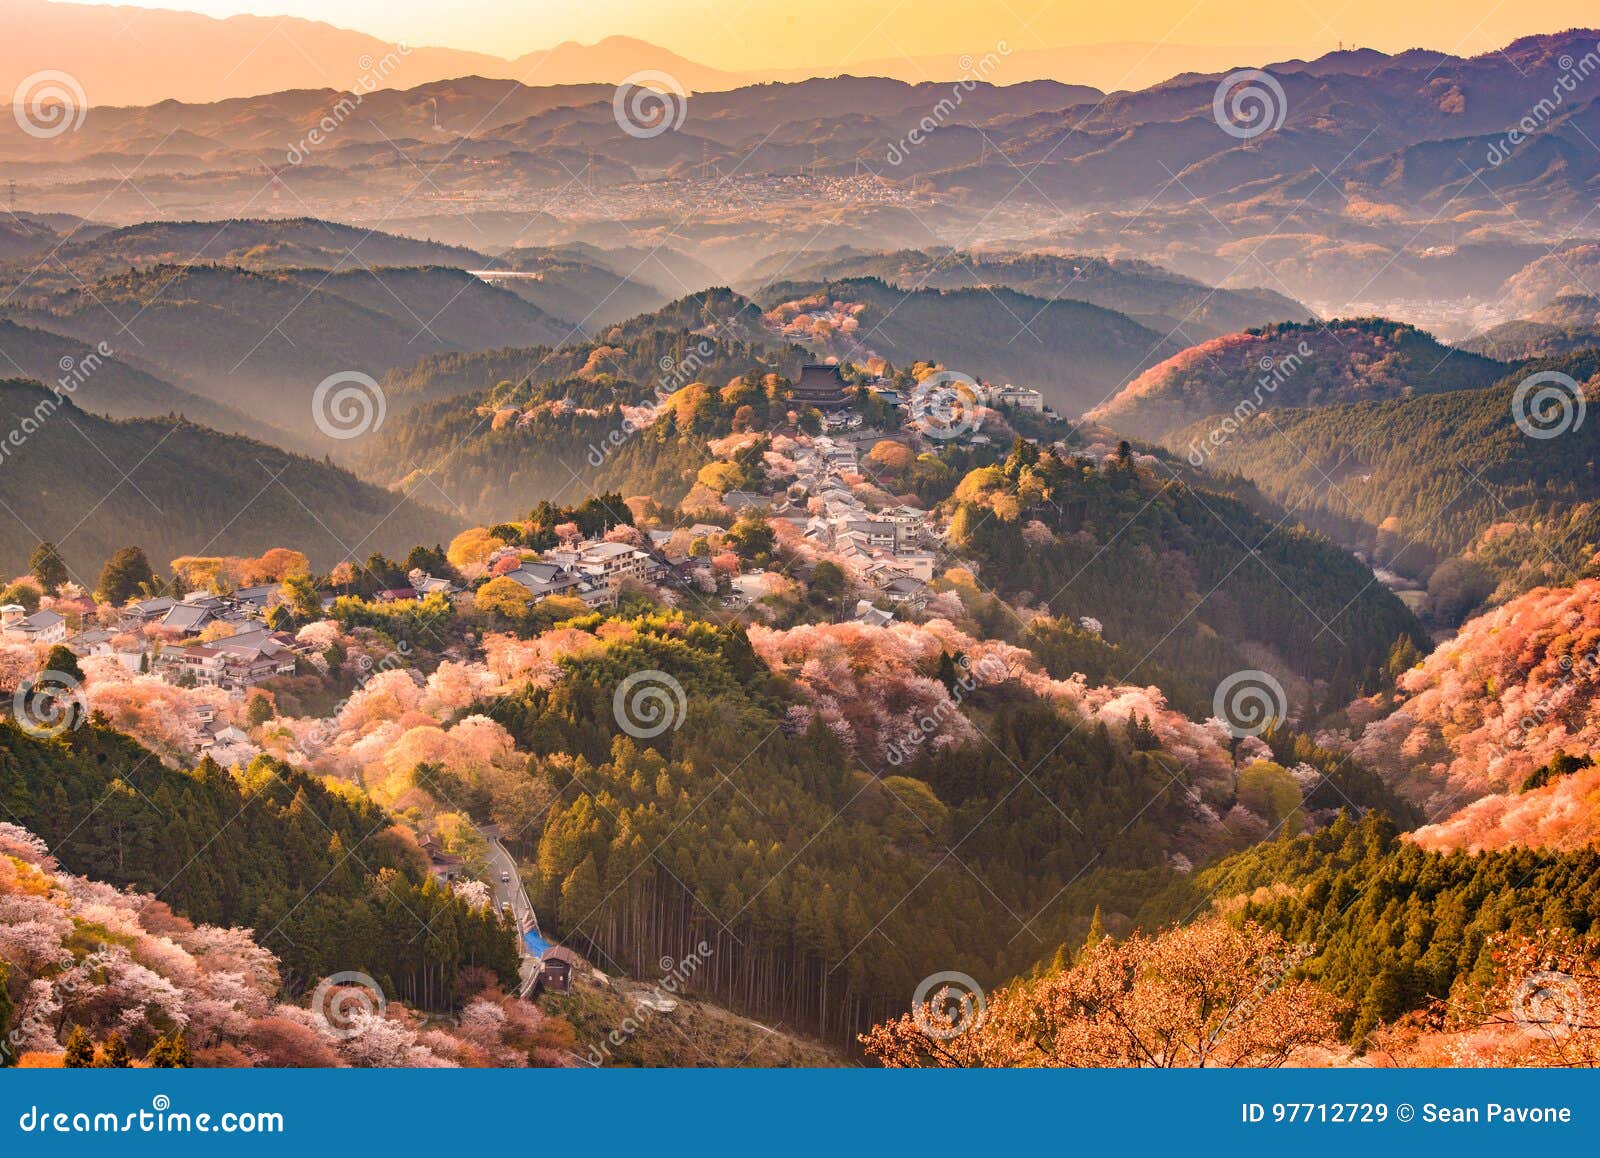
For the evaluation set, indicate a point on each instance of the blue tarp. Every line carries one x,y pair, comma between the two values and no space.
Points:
536,944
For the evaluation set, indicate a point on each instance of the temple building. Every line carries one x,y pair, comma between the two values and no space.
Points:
821,386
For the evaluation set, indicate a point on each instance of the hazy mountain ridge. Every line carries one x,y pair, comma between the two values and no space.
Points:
1157,298
1074,353
1292,365
1415,481
188,490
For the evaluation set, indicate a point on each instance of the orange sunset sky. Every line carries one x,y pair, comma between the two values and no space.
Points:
818,34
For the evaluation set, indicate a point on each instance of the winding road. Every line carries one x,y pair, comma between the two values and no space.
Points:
510,892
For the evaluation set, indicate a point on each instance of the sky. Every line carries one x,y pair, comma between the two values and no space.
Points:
751,34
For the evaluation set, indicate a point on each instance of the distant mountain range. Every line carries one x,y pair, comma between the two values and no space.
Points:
1180,308
187,56
1376,179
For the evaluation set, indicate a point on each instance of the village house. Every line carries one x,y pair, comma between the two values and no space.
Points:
254,600
216,734
737,501
425,584
1018,398
236,662
445,866
904,589
40,627
608,563
872,616
145,611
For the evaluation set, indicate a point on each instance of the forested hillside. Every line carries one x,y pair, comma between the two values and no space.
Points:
1166,302
104,384
326,880
92,253
177,489
1417,481
1309,364
261,342
1565,325
1184,581
1074,353
1393,926
826,878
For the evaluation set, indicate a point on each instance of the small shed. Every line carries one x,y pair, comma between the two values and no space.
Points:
555,973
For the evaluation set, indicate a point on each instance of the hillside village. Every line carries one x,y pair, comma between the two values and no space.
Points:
235,640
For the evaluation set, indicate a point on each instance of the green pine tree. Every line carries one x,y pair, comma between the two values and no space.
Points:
113,1053
170,1053
1097,930
80,1050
